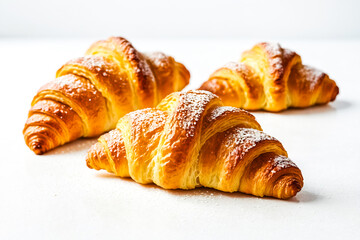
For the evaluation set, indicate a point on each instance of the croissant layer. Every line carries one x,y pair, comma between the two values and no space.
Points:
91,93
190,140
272,78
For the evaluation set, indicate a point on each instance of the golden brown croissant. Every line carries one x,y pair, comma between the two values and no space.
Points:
272,78
91,93
189,140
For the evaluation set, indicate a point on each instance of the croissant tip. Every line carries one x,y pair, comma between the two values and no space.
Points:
335,93
92,156
293,188
37,149
37,146
88,160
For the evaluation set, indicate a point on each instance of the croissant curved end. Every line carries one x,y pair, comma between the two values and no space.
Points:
42,134
88,160
96,158
288,187
38,144
335,93
293,188
91,156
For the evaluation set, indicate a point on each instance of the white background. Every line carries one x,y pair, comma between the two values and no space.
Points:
186,18
55,196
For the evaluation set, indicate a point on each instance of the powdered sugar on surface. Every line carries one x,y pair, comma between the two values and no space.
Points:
235,66
159,59
287,53
192,106
60,112
274,51
311,75
99,64
147,120
281,162
115,144
140,68
217,112
245,138
94,62
73,86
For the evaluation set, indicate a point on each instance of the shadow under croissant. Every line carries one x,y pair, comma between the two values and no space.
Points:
82,144
316,109
303,196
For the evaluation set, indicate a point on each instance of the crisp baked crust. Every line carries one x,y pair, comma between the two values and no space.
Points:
272,78
189,140
91,93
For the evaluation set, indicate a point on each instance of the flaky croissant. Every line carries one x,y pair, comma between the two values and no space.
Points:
272,78
189,140
91,93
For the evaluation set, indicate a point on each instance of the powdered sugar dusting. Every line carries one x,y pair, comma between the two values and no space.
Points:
74,86
94,62
245,138
159,59
60,112
219,111
116,144
147,120
98,64
281,162
192,106
273,49
275,53
312,76
287,53
276,63
141,69
235,66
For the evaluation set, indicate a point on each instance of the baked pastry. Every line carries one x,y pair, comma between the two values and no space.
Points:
272,78
190,140
91,93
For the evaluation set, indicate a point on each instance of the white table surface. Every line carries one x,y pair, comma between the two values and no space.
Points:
55,196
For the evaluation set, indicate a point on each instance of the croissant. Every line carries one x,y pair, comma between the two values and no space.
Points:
190,140
91,93
272,78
